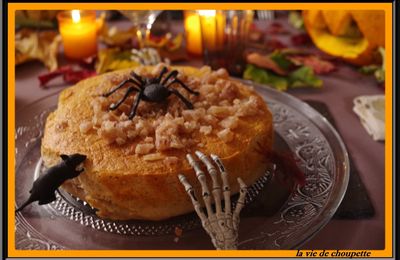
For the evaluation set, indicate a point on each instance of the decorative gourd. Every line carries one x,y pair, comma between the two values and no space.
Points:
351,35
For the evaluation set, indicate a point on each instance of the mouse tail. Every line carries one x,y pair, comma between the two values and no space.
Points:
26,203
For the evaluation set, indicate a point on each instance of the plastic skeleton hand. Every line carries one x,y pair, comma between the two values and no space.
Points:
221,226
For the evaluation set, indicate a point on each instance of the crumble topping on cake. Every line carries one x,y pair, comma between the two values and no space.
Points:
132,166
170,125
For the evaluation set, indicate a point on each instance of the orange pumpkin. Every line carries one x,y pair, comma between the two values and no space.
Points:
351,35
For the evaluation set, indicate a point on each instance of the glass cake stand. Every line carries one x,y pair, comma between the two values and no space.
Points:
285,218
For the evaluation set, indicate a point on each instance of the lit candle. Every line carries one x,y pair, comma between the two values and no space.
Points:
79,33
212,27
193,33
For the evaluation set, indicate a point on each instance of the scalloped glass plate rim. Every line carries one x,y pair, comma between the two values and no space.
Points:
316,118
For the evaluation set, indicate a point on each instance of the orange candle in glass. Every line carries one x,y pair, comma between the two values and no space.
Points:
212,27
79,33
193,33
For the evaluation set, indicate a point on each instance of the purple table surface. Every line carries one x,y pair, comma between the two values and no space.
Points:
340,88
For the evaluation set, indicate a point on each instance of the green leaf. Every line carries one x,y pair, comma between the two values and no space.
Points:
377,71
301,77
380,73
123,55
304,77
296,20
368,70
281,60
265,77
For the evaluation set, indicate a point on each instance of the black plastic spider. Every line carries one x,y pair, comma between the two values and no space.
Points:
151,90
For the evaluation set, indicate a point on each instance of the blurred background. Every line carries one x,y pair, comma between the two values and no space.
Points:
264,46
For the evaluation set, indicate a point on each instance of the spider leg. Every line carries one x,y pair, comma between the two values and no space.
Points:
128,91
120,86
184,86
135,105
139,78
173,73
164,70
184,100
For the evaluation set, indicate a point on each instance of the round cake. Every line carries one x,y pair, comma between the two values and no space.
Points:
132,165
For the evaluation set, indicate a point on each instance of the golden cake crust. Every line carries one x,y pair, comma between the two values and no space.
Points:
122,185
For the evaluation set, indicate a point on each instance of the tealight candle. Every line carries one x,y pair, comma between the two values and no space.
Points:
79,33
193,33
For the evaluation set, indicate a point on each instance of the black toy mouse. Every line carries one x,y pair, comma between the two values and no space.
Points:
43,189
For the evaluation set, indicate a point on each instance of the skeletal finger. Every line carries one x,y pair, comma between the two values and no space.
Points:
204,188
195,202
240,202
225,184
216,188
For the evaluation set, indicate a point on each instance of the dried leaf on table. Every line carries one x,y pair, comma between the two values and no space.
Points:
275,61
114,59
265,77
279,71
114,37
266,62
300,39
37,19
45,78
318,65
38,15
70,75
42,46
281,59
74,77
301,77
101,22
304,77
377,71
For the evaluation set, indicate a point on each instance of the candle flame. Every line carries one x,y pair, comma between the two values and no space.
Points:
207,12
76,16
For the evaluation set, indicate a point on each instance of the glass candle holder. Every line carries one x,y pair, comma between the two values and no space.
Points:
192,33
212,32
79,33
225,37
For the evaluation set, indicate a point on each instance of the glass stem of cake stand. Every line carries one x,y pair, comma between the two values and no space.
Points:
143,33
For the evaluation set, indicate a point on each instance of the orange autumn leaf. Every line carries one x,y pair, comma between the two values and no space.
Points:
42,46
